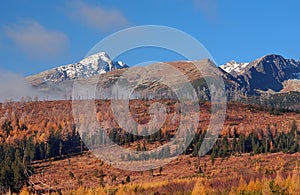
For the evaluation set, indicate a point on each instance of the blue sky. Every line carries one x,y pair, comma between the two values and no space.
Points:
39,35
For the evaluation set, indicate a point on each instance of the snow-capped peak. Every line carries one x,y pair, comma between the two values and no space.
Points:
95,64
233,66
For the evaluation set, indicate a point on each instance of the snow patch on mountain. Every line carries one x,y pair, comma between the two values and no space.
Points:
92,65
95,64
233,66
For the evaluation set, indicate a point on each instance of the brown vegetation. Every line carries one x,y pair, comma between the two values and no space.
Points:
41,117
234,174
83,173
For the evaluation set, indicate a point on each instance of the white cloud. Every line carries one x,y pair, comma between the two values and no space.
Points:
14,86
97,17
35,40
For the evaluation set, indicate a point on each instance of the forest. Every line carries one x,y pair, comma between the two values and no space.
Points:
16,158
57,137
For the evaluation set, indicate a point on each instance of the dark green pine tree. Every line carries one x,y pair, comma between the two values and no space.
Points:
12,169
295,147
19,171
29,151
128,179
234,145
224,147
241,144
6,171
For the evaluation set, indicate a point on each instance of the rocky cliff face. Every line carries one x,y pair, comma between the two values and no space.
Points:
267,73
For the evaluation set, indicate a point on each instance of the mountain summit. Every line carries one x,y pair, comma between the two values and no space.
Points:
269,72
95,64
233,67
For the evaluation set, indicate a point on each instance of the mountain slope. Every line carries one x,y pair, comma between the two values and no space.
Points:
270,72
92,65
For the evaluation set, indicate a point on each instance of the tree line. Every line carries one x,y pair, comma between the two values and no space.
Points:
16,158
254,143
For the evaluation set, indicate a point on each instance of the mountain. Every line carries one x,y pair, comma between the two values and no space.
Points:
268,73
92,65
233,67
160,80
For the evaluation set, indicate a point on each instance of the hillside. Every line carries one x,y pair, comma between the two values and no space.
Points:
43,116
179,175
46,143
44,136
267,77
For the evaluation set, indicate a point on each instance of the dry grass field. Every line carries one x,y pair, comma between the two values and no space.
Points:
85,170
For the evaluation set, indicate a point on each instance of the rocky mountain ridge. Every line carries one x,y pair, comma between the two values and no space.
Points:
96,64
270,73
